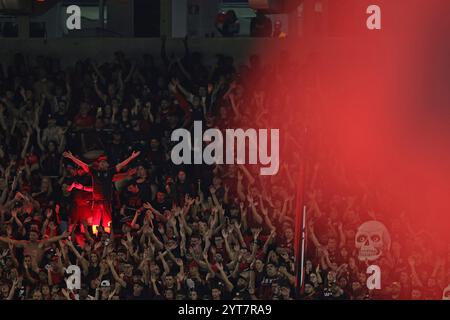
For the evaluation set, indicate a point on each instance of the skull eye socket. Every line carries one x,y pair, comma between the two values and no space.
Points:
375,238
361,238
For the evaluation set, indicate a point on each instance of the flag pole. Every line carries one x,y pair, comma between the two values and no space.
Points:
299,245
303,248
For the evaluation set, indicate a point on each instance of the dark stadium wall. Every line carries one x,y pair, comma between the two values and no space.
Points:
69,50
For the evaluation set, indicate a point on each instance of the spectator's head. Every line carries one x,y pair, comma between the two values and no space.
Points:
51,121
218,241
343,282
137,275
344,253
83,293
309,288
141,172
55,292
337,291
160,197
4,290
36,295
111,89
93,258
138,288
431,283
289,234
242,282
180,296
155,269
230,16
313,279
259,265
33,235
362,277
46,184
193,295
102,163
396,288
128,269
169,294
122,255
45,289
357,288
308,265
195,240
275,289
181,176
218,258
271,270
125,114
27,261
133,188
332,244
43,276
169,281
216,293
193,266
416,294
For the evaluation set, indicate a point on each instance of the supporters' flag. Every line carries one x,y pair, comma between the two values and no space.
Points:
300,230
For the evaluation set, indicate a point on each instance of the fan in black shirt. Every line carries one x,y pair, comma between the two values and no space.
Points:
102,179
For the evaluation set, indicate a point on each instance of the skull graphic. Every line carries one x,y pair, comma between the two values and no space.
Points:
372,239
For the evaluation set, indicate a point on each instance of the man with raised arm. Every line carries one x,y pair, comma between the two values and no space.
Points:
102,186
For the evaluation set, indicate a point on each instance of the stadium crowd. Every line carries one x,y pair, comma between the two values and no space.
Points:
414,263
178,232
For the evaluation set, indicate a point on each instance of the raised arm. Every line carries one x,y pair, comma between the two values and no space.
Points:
256,216
79,186
247,173
16,243
224,277
269,240
114,273
39,139
313,235
77,161
164,262
240,186
124,163
186,93
83,261
157,214
415,277
265,214
98,73
228,249
13,290
57,238
27,143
